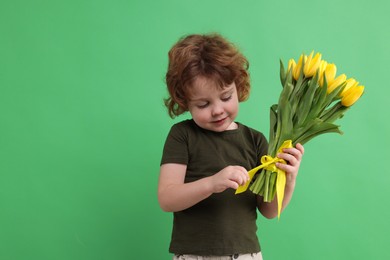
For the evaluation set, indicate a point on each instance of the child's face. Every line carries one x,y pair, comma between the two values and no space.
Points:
213,108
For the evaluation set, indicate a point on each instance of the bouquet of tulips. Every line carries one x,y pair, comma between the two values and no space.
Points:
312,99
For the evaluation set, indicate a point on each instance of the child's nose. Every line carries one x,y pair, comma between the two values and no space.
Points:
217,110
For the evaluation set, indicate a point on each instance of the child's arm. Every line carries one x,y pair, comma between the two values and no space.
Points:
293,157
175,195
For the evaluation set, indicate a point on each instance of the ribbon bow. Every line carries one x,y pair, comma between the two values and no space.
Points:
269,163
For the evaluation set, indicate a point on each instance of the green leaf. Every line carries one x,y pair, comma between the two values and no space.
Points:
287,125
284,120
277,131
306,101
335,112
318,105
296,100
298,132
318,129
289,78
282,74
331,97
273,122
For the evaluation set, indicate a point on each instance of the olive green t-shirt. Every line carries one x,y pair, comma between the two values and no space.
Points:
224,223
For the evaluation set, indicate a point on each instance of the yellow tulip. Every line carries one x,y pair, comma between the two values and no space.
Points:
349,84
329,73
291,64
312,64
336,82
322,68
352,96
298,67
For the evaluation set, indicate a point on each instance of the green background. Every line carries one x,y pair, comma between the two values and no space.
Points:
82,124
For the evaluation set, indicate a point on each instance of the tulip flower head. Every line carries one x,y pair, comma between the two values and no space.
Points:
291,65
349,83
322,68
329,74
298,67
352,95
336,82
312,64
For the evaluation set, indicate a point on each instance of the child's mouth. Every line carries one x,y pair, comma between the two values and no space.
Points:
219,122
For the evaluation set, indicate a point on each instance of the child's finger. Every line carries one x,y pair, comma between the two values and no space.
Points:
287,168
233,184
243,173
293,151
239,178
291,159
300,148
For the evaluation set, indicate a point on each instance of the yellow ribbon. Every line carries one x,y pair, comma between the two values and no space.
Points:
268,163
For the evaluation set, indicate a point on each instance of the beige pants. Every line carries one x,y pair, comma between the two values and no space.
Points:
254,256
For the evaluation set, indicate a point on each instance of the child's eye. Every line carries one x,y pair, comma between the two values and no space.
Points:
227,98
203,105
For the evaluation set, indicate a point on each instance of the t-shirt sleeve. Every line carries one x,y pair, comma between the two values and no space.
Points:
176,146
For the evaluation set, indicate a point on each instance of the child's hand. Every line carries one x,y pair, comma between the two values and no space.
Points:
293,157
229,177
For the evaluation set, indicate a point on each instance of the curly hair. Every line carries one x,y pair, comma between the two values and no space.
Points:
210,56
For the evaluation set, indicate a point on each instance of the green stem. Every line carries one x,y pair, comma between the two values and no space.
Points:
258,183
272,185
266,187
